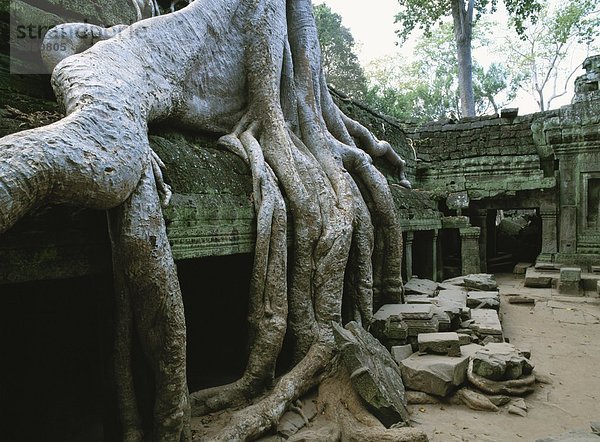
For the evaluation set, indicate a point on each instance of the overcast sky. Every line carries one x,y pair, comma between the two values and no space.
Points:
372,26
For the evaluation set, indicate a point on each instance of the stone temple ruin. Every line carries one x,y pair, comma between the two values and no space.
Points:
489,194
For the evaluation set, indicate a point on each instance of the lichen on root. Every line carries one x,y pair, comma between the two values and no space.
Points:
250,71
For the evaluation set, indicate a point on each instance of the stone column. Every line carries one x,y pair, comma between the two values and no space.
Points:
469,250
434,255
479,219
408,251
549,233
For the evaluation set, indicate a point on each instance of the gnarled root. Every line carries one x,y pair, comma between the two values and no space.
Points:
148,295
339,402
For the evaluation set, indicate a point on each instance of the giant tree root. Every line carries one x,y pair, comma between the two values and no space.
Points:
339,403
249,70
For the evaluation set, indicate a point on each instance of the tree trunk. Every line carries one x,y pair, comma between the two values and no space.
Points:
463,30
249,70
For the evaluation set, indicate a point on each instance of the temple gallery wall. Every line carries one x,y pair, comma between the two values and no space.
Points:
487,194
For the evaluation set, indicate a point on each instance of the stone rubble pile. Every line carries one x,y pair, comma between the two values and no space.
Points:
449,344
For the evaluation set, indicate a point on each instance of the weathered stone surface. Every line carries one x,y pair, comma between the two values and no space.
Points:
416,326
501,361
401,352
595,426
417,299
570,274
388,325
444,319
520,300
570,281
484,299
481,281
516,410
537,279
485,322
373,372
434,374
521,267
420,286
464,339
439,343
513,387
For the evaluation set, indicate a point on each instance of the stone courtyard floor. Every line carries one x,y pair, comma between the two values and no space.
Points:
563,334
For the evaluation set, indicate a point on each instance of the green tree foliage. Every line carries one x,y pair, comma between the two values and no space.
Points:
425,14
340,63
427,88
542,55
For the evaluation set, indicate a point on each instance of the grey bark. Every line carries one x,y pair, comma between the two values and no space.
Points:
462,17
249,70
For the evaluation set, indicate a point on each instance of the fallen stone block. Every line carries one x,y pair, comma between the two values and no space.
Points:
500,361
481,281
475,400
483,299
434,374
464,338
518,299
516,387
401,352
373,373
420,286
485,322
393,323
521,267
536,279
417,299
444,319
417,326
439,343
420,398
388,325
458,281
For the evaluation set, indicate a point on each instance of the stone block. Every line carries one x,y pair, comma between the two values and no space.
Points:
481,281
500,362
388,326
569,288
374,374
537,279
547,266
420,286
521,267
570,274
416,326
446,343
401,352
485,322
417,299
484,299
434,374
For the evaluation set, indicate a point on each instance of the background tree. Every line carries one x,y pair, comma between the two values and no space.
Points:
424,14
340,63
426,88
543,54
